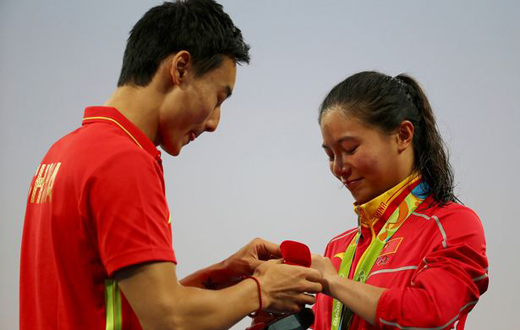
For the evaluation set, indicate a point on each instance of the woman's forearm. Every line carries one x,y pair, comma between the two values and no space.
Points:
361,298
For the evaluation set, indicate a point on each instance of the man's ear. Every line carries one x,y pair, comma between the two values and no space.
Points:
405,133
180,66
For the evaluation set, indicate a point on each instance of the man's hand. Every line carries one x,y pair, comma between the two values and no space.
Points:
230,271
248,258
287,288
262,318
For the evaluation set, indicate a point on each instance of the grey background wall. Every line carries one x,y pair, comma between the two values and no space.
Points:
263,173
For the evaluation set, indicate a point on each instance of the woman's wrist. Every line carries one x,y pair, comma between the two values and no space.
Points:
330,283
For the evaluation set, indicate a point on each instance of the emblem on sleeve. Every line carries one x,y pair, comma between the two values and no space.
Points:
41,191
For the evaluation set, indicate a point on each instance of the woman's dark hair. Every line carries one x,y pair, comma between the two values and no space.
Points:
384,102
200,27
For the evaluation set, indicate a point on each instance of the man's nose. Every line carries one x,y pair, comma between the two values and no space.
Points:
213,120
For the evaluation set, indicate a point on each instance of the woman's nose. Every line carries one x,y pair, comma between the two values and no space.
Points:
339,167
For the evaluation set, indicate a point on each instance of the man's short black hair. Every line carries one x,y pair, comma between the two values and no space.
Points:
200,27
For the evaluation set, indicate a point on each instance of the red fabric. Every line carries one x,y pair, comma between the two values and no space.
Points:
106,210
441,276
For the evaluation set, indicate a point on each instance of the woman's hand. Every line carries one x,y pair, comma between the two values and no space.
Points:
326,269
361,298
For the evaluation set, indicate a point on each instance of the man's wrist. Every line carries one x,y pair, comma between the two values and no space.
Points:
259,290
214,277
224,274
235,267
252,288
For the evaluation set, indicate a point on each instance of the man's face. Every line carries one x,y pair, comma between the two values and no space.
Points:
194,107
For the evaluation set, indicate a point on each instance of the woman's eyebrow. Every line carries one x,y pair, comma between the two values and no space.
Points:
342,139
347,138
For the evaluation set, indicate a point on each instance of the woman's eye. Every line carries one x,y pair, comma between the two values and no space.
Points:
330,156
350,151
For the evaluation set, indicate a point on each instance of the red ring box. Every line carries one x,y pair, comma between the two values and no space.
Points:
296,253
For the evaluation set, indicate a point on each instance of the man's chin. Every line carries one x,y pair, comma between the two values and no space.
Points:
172,151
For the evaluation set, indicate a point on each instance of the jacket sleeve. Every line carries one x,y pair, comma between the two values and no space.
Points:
448,282
129,211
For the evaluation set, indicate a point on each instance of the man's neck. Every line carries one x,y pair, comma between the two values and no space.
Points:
140,105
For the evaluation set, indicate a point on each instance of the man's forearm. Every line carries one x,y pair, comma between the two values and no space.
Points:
160,302
214,277
204,309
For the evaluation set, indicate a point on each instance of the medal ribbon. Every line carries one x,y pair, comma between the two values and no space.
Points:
408,195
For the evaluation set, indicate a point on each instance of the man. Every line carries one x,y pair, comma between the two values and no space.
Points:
97,250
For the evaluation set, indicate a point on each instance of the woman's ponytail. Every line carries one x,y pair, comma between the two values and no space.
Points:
431,154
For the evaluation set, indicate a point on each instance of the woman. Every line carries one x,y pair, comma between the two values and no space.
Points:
417,258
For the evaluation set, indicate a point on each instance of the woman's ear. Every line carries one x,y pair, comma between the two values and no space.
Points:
405,133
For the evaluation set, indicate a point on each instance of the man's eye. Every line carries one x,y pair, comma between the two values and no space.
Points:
220,100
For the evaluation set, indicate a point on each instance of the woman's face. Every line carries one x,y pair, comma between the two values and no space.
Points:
364,159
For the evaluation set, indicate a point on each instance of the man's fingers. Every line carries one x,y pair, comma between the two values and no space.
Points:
264,317
255,263
313,275
313,287
274,261
299,302
267,250
306,299
257,326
